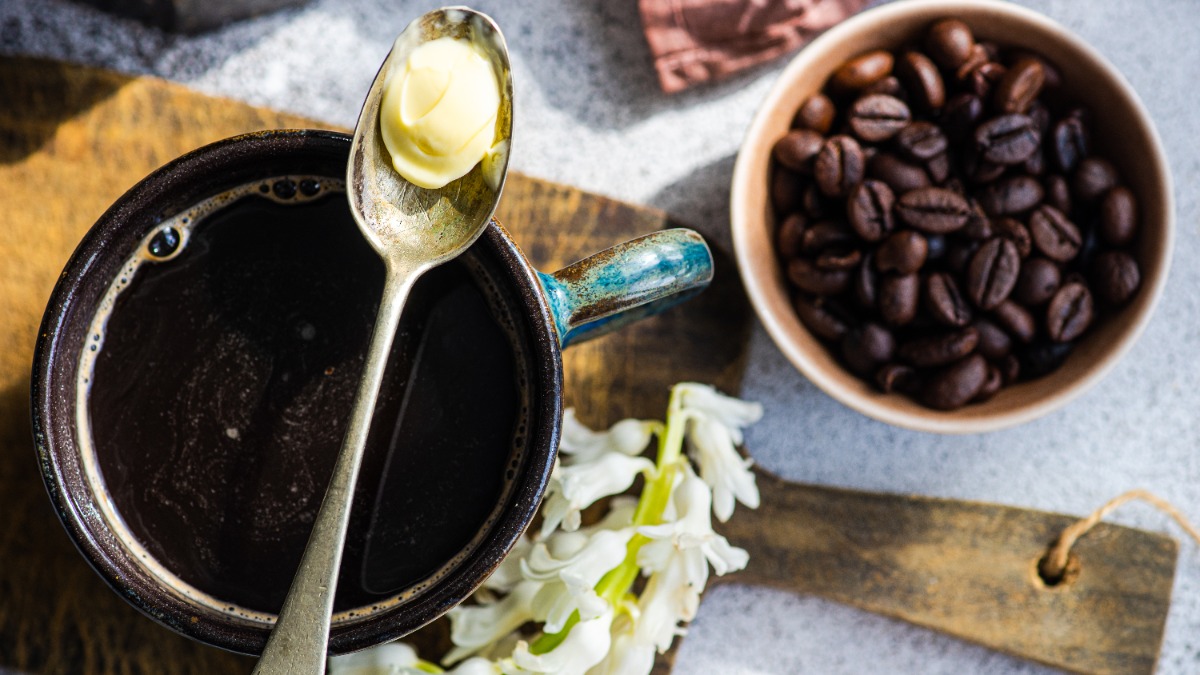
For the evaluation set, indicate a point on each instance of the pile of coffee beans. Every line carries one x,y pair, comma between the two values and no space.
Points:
943,222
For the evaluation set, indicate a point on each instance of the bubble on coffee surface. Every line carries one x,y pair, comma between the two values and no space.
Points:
167,241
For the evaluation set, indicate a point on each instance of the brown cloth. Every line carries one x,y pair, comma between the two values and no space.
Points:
696,41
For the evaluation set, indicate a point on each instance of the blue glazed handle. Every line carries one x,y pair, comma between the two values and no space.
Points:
627,282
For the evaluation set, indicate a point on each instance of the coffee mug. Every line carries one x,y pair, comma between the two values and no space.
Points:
196,367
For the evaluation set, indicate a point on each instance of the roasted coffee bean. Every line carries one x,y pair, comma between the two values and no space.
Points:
899,175
899,298
1054,235
978,225
993,272
945,302
921,141
888,85
1038,282
839,259
949,43
863,70
980,170
902,252
786,191
1020,86
1043,356
1057,192
867,347
787,237
983,80
1115,277
921,80
1035,165
1069,313
866,282
1087,250
1011,196
897,377
976,59
806,276
878,117
817,114
961,115
823,235
1118,216
1070,143
817,315
991,386
1010,366
1008,139
797,149
1017,320
940,349
933,210
1093,177
994,342
839,166
816,205
955,386
869,210
1014,231
938,168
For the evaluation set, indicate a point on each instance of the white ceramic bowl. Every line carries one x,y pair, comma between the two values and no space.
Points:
1121,131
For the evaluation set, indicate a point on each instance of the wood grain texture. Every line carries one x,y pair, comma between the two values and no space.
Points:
73,139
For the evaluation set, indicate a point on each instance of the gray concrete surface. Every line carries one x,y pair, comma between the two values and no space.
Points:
588,113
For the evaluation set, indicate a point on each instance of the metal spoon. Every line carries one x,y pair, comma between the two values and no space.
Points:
413,229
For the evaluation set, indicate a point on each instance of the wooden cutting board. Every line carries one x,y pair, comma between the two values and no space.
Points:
72,139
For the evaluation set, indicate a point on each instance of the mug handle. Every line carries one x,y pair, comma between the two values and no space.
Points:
627,282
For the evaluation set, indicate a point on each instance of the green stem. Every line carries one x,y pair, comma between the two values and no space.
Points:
652,503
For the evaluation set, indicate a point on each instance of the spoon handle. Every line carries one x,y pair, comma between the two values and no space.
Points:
299,642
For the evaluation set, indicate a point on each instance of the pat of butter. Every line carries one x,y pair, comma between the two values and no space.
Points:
438,114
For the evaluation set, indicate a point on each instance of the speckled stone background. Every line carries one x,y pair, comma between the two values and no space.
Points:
589,113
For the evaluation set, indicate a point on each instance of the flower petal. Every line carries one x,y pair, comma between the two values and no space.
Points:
393,658
474,627
581,444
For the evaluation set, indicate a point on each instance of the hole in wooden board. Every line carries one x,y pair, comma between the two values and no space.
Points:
1057,579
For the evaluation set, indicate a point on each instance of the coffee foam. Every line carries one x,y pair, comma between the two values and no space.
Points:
183,224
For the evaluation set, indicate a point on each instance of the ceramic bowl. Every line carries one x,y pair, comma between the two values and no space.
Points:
1122,131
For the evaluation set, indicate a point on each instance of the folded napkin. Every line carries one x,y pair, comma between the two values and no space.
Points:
696,41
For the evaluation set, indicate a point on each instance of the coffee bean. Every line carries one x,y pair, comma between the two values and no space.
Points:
899,175
815,204
839,259
980,170
1015,232
797,149
1057,192
955,386
983,80
945,302
994,343
1035,164
787,238
869,210
1011,196
866,282
1070,143
1118,216
786,192
1069,313
921,80
976,59
949,42
825,234
863,70
993,272
902,252
816,114
839,166
1016,320
938,168
806,276
878,117
1055,236
1040,358
1038,282
978,225
1008,139
1020,86
867,347
1116,277
1093,177
897,377
888,85
940,349
921,141
961,115
818,317
899,296
1010,367
991,385
933,210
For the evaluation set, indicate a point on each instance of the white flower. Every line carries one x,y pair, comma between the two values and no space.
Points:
628,437
570,564
577,486
627,655
714,431
585,645
475,627
397,658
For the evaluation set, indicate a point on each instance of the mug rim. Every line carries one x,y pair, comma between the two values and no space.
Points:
169,189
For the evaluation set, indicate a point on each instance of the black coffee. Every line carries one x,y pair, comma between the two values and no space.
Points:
223,383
